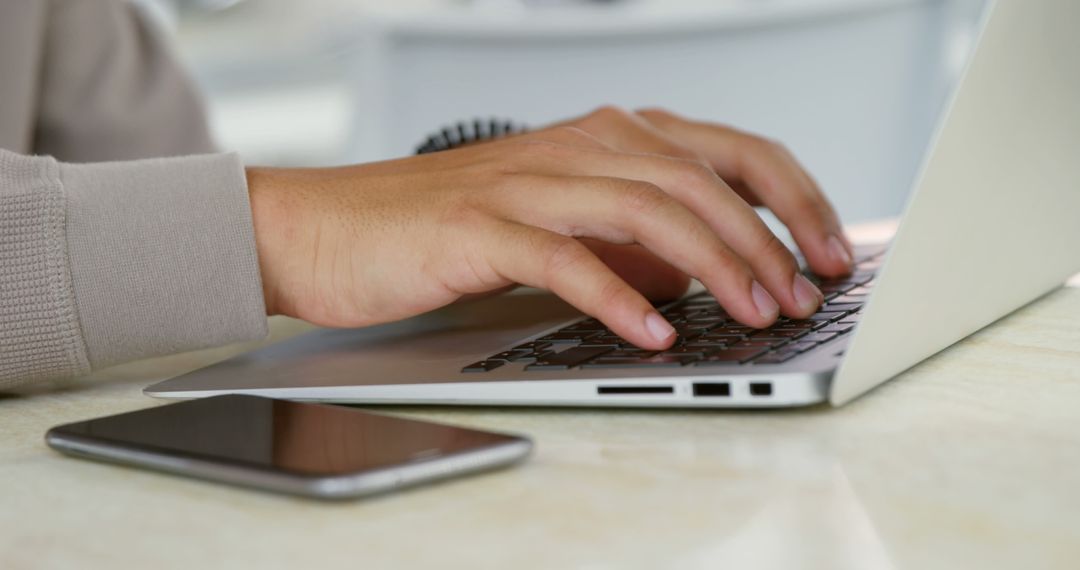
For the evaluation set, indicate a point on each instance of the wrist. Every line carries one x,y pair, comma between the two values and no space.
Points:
267,219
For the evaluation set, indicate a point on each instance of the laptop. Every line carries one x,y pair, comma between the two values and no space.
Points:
992,223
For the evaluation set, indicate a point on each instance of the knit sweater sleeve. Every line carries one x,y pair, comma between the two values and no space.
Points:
109,262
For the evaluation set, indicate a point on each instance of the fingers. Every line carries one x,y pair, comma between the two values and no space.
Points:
651,276
796,200
726,215
631,211
566,267
773,175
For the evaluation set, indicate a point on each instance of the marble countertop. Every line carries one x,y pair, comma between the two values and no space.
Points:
970,460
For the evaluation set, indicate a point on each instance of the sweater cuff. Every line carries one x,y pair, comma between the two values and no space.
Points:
162,255
39,328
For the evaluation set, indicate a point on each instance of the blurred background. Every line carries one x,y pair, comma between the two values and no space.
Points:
852,87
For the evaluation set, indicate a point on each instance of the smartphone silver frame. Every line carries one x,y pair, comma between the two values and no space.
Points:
332,487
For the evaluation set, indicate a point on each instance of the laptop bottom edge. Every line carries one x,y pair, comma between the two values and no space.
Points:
782,390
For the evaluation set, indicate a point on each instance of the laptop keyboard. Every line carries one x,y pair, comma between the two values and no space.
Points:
707,335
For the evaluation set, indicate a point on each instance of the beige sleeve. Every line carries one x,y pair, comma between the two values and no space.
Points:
109,262
118,259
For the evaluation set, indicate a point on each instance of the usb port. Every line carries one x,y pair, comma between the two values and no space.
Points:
712,389
761,388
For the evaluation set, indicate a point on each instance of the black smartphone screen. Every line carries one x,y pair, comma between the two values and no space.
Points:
279,435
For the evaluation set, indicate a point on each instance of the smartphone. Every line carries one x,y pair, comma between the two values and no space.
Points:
314,450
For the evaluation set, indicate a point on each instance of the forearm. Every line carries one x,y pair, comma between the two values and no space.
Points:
110,262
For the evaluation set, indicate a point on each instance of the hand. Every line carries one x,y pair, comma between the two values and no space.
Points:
374,243
762,172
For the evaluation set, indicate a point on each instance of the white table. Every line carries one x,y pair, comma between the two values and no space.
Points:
970,460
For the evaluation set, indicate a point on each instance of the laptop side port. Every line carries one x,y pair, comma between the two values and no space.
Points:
712,389
625,390
761,388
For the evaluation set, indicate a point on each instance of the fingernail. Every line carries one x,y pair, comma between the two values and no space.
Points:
766,305
839,252
659,328
807,296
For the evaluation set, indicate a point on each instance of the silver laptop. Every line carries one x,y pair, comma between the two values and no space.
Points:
992,224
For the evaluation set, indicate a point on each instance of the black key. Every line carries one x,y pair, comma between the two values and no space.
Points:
511,355
729,331
702,344
567,358
785,332
844,307
819,337
778,334
677,316
724,334
825,316
565,337
768,342
798,335
795,325
713,336
607,337
800,346
730,356
607,341
691,324
659,360
541,354
533,346
754,344
695,327
711,320
836,328
688,334
630,352
687,351
483,366
589,325
717,343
